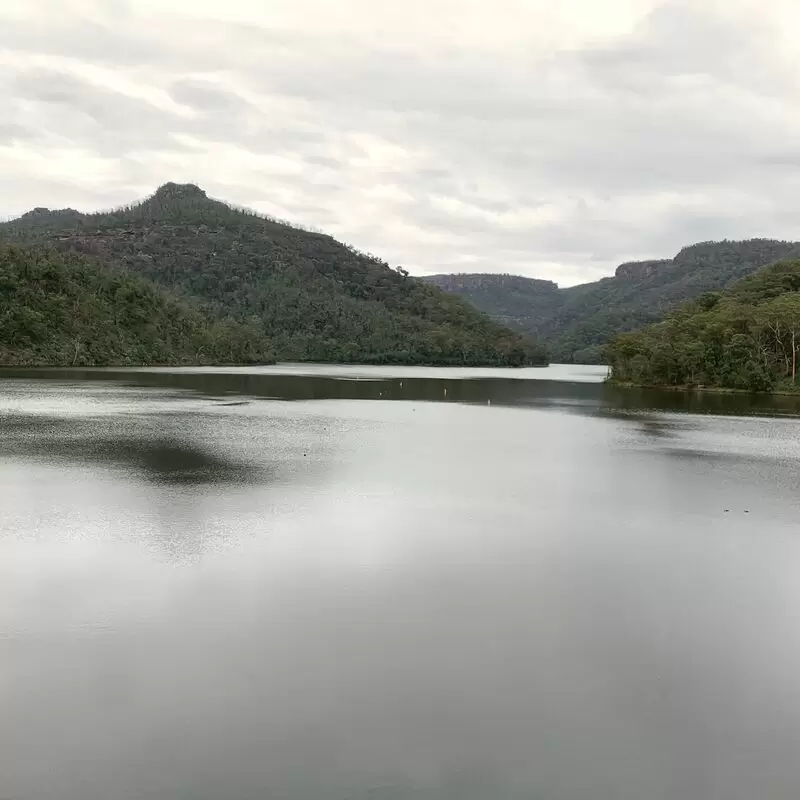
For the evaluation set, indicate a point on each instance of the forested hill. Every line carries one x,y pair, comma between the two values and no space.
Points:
575,322
63,309
747,337
509,299
314,298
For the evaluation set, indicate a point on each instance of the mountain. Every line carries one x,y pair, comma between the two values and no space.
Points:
312,296
575,322
64,309
510,299
747,337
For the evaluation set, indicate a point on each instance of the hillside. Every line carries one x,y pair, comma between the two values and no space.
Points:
574,323
313,297
65,310
509,299
747,337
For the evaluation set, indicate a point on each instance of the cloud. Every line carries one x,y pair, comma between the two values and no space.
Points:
552,140
206,97
11,133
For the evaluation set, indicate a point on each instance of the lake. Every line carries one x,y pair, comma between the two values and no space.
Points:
361,583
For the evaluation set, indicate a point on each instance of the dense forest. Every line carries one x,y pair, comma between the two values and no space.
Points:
66,310
311,297
575,322
510,299
747,337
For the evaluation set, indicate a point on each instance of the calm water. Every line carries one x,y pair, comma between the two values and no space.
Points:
427,584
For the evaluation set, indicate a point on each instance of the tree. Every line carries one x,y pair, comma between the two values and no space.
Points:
782,316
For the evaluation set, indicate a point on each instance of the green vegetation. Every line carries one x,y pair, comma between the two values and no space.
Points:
745,338
65,310
510,299
310,296
574,323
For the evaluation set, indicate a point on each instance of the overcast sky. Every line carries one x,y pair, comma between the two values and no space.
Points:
549,138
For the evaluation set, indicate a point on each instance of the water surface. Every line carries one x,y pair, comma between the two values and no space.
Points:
308,582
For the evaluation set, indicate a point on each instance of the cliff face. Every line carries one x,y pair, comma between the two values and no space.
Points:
465,282
638,270
179,191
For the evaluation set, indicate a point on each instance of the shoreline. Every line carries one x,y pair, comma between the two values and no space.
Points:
277,362
686,389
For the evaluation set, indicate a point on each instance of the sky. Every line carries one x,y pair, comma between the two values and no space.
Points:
547,138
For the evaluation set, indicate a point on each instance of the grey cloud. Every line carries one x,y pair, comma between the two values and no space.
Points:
262,188
79,38
685,38
112,123
429,183
195,45
434,174
89,115
256,132
486,204
205,96
11,132
50,86
781,160
443,85
324,161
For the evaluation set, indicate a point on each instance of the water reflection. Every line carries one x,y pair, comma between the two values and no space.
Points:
649,424
578,388
225,385
697,402
159,458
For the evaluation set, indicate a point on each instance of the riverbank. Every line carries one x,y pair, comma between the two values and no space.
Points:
703,389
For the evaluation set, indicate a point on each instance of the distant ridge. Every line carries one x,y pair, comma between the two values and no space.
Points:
574,323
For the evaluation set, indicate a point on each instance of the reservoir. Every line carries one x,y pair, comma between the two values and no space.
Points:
369,583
